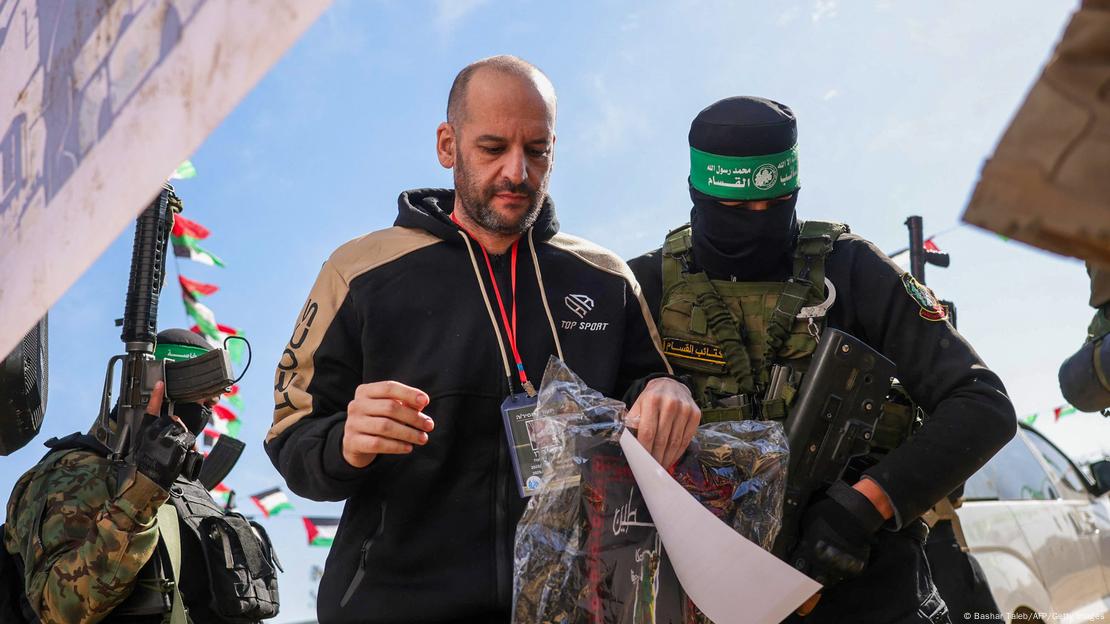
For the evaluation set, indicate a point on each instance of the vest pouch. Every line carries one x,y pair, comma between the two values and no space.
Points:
686,343
242,571
235,560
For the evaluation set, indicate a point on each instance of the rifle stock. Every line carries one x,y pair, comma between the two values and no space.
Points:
832,421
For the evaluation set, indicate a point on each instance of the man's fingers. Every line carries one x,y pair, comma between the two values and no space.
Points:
415,398
648,425
366,444
154,405
632,418
684,434
665,423
389,408
387,428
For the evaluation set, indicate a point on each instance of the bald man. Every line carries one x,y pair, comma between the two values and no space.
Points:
413,341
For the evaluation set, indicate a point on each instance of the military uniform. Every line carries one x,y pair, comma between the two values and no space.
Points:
81,547
761,296
156,548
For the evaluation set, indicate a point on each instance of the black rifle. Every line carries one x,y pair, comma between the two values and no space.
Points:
190,380
832,422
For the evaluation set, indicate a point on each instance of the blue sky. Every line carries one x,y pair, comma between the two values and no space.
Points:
898,104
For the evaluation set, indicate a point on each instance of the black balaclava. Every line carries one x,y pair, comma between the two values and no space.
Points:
733,242
195,416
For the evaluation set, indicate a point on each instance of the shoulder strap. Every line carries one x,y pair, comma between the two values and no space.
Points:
814,243
170,534
676,256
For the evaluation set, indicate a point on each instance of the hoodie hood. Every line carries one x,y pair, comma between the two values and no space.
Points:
430,210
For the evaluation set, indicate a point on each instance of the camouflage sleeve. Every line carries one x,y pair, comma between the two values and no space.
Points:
82,548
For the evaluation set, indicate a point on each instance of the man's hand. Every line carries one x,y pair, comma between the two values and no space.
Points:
164,443
384,417
665,417
837,534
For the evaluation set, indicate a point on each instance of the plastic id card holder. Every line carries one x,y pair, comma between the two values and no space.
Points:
526,437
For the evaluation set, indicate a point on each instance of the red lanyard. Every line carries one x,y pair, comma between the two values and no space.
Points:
510,327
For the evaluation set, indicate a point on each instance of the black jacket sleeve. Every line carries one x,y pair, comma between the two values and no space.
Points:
969,416
316,378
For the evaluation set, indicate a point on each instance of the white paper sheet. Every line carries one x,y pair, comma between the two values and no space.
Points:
732,580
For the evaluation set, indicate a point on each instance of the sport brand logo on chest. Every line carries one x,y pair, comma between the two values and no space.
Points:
580,306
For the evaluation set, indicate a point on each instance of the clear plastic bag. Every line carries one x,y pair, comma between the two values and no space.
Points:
586,550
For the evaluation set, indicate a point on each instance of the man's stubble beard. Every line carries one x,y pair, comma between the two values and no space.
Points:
475,201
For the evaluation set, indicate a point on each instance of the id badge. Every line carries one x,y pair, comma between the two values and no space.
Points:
525,440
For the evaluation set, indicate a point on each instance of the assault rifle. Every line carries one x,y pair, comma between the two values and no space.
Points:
192,380
832,421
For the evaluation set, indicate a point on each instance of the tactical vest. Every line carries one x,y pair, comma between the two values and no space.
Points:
747,345
733,337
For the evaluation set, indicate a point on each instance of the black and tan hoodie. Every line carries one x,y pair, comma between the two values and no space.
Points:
428,536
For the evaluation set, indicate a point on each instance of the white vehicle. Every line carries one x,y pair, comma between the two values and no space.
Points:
1041,530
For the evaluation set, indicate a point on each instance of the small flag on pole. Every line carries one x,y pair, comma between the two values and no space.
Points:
232,396
272,501
218,333
202,315
210,436
1064,410
195,288
185,235
321,531
184,171
224,422
188,228
221,494
221,412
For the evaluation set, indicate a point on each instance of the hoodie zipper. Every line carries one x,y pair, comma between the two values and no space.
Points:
502,575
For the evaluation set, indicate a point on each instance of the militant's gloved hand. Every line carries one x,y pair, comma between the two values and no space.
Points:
837,534
165,450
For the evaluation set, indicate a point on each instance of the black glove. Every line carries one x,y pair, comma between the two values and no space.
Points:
837,534
165,451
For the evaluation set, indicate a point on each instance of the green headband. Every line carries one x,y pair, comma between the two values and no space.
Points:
177,352
744,177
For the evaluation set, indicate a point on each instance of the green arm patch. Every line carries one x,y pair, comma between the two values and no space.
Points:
931,307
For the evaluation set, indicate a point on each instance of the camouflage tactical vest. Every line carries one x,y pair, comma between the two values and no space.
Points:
745,344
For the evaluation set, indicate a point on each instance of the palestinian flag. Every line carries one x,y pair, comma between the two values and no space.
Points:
221,412
195,288
204,318
232,396
209,437
185,235
184,171
1064,410
224,422
321,531
221,494
217,333
185,228
1030,419
271,502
